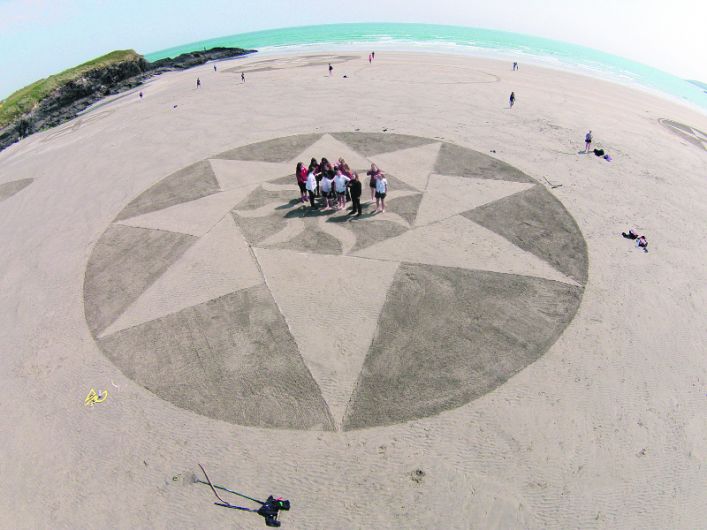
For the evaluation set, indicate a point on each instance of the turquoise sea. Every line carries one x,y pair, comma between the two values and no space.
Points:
456,39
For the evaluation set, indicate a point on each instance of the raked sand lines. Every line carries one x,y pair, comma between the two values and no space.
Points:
217,264
458,242
331,307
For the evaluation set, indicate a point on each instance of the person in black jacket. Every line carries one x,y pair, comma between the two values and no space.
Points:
355,189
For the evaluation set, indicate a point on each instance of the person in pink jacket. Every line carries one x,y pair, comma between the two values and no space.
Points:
301,176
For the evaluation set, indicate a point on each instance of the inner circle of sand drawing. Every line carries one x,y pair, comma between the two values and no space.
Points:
220,292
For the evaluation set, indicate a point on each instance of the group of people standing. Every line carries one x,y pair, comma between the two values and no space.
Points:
336,184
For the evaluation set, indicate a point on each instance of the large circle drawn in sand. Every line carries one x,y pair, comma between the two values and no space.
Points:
217,290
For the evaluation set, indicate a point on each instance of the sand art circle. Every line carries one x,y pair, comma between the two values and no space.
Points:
218,291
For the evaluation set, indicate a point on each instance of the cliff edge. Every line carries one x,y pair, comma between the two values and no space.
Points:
61,97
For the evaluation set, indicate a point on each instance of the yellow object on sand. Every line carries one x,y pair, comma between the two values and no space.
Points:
94,397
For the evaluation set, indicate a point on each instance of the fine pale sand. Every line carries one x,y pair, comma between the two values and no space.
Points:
607,429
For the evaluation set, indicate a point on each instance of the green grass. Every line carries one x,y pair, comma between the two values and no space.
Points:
27,98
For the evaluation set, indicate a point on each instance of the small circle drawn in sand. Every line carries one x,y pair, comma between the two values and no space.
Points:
222,292
695,136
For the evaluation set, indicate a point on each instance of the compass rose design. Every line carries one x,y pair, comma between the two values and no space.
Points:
217,290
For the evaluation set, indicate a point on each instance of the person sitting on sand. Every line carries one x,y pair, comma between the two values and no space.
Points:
381,192
631,234
301,176
373,173
587,141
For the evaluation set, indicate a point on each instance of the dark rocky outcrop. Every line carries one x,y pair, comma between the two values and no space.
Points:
67,101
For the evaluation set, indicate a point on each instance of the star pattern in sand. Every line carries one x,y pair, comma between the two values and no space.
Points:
251,231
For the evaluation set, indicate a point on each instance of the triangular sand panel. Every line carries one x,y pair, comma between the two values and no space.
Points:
463,162
412,166
232,359
458,242
374,229
188,184
293,228
125,262
312,239
447,196
394,185
217,264
330,148
237,173
346,237
537,222
331,305
193,217
369,144
406,206
446,336
276,150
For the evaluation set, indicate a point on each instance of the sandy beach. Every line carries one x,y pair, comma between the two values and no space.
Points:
151,248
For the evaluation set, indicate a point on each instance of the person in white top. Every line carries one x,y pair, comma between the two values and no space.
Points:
340,182
325,187
381,192
311,188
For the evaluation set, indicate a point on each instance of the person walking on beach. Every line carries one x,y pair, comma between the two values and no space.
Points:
214,68
355,189
373,55
369,58
512,98
140,95
515,66
331,69
587,141
381,192
198,82
242,77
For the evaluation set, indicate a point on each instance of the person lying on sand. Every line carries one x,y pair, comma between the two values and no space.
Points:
641,241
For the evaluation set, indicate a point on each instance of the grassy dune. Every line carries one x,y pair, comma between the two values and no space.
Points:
27,98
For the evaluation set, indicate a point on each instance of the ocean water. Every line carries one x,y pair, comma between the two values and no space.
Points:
456,39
